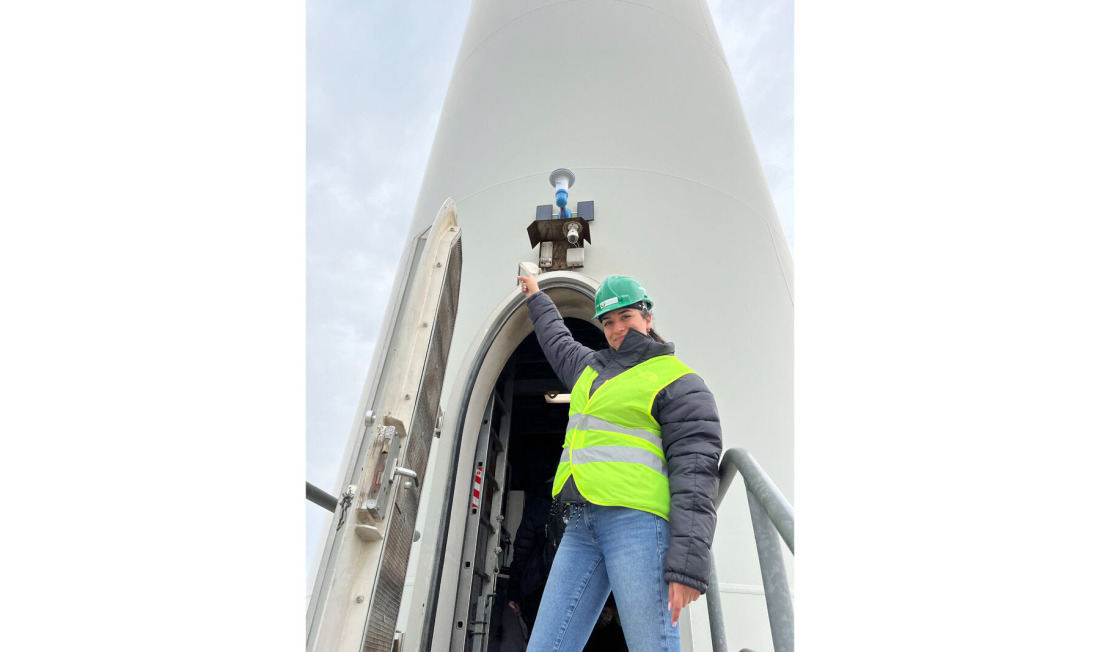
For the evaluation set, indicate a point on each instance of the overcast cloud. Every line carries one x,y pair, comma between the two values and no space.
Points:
377,73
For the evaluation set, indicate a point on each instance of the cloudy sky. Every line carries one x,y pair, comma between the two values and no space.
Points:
377,73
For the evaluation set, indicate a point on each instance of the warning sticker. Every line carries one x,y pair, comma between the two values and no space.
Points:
608,302
477,489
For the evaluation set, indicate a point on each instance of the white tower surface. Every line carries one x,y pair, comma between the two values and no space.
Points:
636,98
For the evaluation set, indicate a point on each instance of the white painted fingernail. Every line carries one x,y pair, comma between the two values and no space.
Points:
669,607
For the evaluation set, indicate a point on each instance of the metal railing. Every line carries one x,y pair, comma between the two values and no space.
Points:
772,517
321,497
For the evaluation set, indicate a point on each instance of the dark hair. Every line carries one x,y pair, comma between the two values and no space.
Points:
646,312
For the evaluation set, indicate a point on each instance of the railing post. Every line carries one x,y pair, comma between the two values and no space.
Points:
777,594
714,610
727,470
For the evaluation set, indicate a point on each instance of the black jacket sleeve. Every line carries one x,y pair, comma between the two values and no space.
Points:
692,438
567,357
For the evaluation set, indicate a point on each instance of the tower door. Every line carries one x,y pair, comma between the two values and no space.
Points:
364,580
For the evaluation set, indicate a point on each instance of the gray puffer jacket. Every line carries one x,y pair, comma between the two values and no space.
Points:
690,433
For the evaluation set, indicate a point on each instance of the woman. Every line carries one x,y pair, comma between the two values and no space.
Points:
639,470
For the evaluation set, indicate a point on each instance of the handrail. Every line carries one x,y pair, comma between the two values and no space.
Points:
760,485
319,496
770,513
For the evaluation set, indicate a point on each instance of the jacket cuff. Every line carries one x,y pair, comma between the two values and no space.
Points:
686,580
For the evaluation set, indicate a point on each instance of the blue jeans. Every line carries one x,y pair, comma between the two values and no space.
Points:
608,549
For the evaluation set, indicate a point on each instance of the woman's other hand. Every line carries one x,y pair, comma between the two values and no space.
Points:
680,596
528,285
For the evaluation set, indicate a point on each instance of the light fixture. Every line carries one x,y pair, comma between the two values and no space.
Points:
562,180
560,236
572,232
556,397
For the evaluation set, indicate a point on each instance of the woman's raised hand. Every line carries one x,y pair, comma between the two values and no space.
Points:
528,285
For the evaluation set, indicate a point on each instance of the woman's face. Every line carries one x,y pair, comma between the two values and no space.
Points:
617,322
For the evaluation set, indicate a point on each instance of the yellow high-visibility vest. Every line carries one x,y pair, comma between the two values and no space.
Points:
612,442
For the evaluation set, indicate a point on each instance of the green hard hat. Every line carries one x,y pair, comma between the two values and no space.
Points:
619,292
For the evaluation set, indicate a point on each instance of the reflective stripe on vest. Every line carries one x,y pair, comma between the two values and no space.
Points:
616,454
613,445
589,422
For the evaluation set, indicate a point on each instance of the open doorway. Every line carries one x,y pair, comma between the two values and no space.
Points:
538,426
518,452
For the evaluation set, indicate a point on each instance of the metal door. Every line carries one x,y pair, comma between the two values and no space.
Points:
358,611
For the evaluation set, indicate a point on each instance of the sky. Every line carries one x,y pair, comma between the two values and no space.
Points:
376,76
